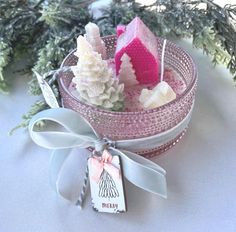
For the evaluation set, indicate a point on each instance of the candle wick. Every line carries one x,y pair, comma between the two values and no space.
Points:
162,60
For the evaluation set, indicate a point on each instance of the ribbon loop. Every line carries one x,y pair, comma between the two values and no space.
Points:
79,133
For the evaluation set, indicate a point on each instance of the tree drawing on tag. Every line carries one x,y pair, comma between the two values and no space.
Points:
107,186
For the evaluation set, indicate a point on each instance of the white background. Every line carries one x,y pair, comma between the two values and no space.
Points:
201,171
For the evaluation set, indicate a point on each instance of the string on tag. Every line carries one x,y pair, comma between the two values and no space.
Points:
99,147
83,192
45,85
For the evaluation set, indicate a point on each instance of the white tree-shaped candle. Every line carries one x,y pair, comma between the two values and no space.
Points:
126,72
94,79
94,38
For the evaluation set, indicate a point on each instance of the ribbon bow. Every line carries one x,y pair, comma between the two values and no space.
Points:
103,163
78,133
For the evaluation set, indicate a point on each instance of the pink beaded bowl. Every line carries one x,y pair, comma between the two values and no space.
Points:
137,124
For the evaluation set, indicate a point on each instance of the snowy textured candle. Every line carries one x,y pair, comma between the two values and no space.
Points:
158,96
83,47
93,37
94,79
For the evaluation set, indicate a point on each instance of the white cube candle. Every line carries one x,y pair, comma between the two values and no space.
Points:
158,96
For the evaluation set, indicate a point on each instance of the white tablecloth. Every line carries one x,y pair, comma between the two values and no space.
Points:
201,171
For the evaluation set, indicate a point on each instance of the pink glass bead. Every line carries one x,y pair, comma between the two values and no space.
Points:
140,44
140,123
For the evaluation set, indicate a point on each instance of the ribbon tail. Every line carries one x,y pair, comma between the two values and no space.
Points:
58,159
142,172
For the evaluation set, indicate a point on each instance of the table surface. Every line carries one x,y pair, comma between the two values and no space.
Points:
201,171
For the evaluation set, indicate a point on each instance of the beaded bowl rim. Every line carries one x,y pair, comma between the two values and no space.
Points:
144,111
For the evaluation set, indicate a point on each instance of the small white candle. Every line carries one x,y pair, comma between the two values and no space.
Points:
161,94
93,37
92,30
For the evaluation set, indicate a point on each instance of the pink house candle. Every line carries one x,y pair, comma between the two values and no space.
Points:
140,44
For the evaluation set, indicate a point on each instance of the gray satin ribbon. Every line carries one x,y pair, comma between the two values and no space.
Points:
78,133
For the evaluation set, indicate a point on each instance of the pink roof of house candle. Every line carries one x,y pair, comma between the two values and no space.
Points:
141,46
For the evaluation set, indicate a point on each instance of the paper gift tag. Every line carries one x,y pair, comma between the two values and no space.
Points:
47,92
106,183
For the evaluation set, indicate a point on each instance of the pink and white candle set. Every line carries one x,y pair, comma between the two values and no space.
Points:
137,68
